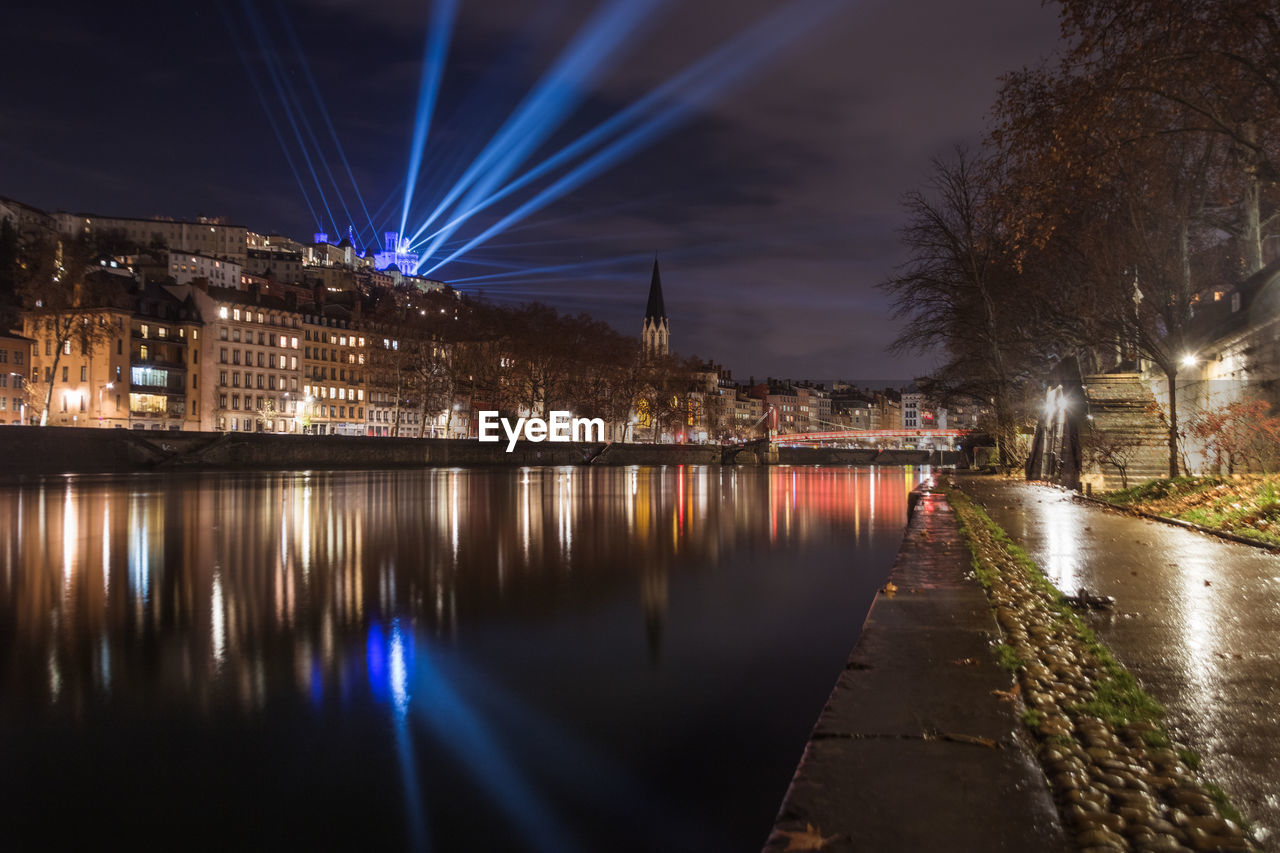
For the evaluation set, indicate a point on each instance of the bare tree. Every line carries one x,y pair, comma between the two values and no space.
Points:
958,292
65,306
1117,449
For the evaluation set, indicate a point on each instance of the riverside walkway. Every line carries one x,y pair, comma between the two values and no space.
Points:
1196,619
914,751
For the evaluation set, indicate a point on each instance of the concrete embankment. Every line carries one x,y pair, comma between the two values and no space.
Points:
36,450
857,456
913,750
49,450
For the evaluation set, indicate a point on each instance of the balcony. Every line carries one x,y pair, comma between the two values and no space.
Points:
152,337
136,360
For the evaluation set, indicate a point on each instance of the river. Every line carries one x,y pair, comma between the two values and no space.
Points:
558,659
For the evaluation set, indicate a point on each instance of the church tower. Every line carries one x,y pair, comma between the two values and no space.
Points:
654,336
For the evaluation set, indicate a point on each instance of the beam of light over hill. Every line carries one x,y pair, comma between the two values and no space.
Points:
324,113
255,27
271,119
698,86
436,51
544,109
289,97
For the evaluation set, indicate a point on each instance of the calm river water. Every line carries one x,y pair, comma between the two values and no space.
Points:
536,659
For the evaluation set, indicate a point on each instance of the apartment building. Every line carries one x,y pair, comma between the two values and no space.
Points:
15,362
334,372
164,362
75,382
185,267
251,357
207,236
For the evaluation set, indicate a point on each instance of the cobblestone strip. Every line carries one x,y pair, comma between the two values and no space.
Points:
1119,781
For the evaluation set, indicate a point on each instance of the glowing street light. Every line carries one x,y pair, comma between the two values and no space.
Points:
1190,360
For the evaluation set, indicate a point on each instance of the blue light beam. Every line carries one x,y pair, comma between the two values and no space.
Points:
281,79
556,268
439,35
266,108
464,732
255,26
546,107
292,35
708,78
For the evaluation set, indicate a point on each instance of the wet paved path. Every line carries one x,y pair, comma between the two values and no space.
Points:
913,752
1197,620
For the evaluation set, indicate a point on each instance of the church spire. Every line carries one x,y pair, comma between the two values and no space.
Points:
656,309
656,329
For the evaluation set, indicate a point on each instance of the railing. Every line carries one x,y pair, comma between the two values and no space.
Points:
870,434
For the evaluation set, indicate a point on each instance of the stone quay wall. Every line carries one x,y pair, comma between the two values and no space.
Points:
61,450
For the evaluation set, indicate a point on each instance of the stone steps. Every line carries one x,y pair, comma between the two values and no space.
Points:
1120,405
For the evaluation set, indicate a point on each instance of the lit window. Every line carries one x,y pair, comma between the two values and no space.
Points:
222,312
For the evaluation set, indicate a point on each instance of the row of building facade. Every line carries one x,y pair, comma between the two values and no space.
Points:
217,328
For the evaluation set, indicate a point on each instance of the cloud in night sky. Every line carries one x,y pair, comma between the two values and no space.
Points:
775,210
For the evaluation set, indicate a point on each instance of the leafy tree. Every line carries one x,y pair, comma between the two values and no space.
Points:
1242,434
1205,67
1122,213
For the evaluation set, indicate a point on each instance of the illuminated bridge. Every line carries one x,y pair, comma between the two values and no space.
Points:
872,435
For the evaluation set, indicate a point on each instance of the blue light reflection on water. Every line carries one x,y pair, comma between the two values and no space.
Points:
544,658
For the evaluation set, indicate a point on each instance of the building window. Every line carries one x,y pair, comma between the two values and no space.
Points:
84,373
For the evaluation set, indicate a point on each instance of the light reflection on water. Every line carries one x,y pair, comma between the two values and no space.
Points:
473,616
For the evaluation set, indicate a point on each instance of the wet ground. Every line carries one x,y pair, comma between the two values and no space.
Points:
914,749
1197,620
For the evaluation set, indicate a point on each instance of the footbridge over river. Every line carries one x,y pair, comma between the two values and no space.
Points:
872,436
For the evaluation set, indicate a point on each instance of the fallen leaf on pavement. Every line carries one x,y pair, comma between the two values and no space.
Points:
808,839
1008,695
965,662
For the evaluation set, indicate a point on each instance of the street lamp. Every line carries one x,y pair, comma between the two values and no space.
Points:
101,388
1189,360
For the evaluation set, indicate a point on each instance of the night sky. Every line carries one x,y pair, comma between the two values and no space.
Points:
774,207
